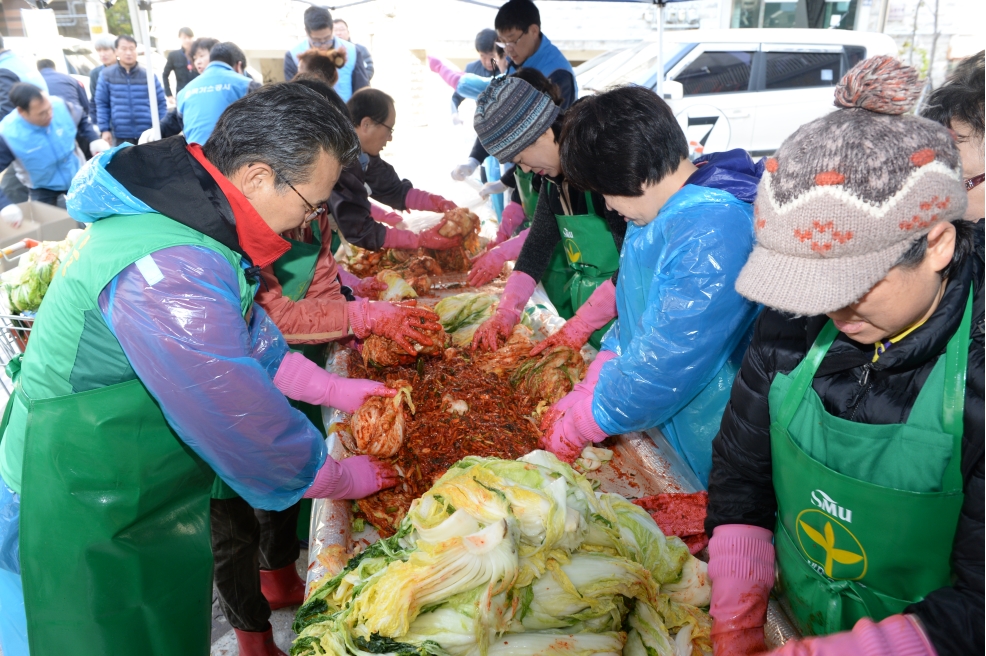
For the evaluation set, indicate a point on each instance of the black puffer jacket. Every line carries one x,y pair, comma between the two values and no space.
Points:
853,388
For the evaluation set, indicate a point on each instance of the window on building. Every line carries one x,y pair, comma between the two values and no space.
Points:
797,70
717,72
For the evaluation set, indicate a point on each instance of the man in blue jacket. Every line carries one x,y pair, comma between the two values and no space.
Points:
319,28
68,89
670,359
203,99
39,139
121,96
518,27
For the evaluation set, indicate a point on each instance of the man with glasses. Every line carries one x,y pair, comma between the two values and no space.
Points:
518,28
319,30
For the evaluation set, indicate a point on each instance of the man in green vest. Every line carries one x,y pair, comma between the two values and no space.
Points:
150,370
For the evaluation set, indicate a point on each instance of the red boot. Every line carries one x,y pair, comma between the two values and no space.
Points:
253,643
282,587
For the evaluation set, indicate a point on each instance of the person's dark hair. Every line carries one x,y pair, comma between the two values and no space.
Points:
517,14
45,63
324,64
204,43
618,141
186,31
286,126
124,37
22,93
539,81
317,18
486,40
317,85
961,97
965,244
228,53
372,103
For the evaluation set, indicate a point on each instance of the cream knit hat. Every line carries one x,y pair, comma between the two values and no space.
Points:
847,194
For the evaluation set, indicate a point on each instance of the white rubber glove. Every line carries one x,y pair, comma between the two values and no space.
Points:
98,146
463,171
456,119
147,136
12,215
490,188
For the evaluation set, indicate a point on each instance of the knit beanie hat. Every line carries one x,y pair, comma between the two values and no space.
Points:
511,115
846,195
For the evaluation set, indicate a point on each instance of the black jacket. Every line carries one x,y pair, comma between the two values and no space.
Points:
853,388
183,69
350,204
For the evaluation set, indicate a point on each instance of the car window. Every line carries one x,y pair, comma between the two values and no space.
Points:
717,72
797,70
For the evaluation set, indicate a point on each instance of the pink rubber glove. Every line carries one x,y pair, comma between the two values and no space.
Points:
396,321
489,265
581,390
362,287
571,432
593,315
446,70
381,215
422,200
512,218
898,635
518,291
741,568
353,478
301,379
401,239
430,238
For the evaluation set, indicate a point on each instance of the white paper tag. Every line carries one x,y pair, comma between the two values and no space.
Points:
150,270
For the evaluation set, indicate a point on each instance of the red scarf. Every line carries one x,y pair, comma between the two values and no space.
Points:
261,244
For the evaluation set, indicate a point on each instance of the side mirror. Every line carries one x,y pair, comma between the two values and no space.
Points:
673,90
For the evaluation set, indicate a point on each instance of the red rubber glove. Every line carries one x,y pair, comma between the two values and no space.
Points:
489,265
397,321
593,315
898,635
446,70
401,239
512,218
422,200
518,291
741,568
381,215
301,379
573,430
362,287
430,238
353,478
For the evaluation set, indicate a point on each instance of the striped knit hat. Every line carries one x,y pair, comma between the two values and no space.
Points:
511,115
847,194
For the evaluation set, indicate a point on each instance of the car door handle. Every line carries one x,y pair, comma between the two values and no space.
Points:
736,113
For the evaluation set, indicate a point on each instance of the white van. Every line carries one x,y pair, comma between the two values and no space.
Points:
746,88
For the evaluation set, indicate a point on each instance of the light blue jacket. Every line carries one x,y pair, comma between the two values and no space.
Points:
48,157
206,97
344,87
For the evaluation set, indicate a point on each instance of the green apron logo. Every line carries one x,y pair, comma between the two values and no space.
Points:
830,546
572,251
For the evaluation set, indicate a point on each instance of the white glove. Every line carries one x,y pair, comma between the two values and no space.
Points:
12,215
463,171
147,136
490,188
98,146
456,119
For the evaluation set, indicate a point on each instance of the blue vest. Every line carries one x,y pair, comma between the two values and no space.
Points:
47,154
344,87
547,59
206,97
21,69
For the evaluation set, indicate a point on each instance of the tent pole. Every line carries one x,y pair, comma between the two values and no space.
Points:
660,49
140,33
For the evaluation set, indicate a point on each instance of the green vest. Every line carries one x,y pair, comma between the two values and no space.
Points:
114,524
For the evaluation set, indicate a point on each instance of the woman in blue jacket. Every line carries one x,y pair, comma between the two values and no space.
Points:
670,358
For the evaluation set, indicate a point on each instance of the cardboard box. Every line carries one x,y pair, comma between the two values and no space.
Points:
42,222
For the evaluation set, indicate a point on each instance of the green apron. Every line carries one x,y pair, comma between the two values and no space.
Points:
528,197
866,512
114,525
585,258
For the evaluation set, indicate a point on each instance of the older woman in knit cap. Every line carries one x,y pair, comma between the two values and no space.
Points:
851,452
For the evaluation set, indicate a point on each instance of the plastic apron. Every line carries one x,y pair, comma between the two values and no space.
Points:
101,544
585,258
848,547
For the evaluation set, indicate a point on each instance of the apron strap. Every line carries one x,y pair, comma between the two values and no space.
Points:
953,400
805,373
589,204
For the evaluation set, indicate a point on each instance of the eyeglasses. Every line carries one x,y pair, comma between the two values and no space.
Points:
390,128
313,212
511,44
975,181
322,44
